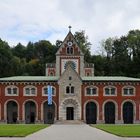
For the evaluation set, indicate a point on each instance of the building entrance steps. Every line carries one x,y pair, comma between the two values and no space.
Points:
69,122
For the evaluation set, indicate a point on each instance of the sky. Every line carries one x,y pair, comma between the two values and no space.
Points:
33,20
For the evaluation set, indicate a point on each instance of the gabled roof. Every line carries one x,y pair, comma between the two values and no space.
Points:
56,78
68,69
66,38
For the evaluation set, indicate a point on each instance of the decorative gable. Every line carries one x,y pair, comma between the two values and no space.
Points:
69,46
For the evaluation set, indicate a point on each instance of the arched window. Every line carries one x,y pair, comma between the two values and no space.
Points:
69,50
69,89
110,91
11,90
128,91
45,91
91,91
51,74
72,90
30,91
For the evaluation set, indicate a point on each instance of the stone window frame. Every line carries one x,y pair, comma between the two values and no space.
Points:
91,87
104,94
70,50
70,88
43,94
129,87
12,87
30,88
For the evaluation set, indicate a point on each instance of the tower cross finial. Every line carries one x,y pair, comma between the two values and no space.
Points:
70,28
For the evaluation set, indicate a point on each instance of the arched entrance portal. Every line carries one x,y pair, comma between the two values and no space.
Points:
128,112
30,112
12,112
49,113
91,113
109,112
70,110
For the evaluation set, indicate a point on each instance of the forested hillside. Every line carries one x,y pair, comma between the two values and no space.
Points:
118,56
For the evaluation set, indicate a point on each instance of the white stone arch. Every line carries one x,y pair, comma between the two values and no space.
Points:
5,108
134,108
84,109
42,112
116,109
70,102
23,108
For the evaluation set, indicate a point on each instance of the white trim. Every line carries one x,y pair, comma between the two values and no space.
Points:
109,86
29,86
134,109
91,87
42,110
46,87
23,108
11,87
5,108
84,109
116,109
129,87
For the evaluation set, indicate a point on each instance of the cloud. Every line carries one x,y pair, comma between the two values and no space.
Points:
33,20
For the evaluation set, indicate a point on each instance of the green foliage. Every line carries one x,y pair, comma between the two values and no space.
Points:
122,56
84,44
121,130
19,130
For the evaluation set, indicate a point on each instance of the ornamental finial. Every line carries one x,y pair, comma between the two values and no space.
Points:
69,28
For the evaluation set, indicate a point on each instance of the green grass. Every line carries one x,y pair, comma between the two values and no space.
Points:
18,130
130,130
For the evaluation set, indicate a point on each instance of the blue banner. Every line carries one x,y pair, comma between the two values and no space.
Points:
49,95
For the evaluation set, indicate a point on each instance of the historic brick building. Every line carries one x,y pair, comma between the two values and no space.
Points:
77,93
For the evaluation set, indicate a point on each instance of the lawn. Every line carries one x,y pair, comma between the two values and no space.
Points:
121,130
19,130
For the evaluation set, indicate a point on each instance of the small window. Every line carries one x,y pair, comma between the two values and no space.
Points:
14,90
11,91
110,91
67,89
30,91
27,91
70,50
70,89
51,74
33,91
70,78
45,91
88,74
90,91
128,91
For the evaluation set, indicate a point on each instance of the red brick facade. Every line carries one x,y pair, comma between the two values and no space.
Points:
78,94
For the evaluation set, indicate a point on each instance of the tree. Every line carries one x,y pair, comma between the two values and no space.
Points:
84,44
